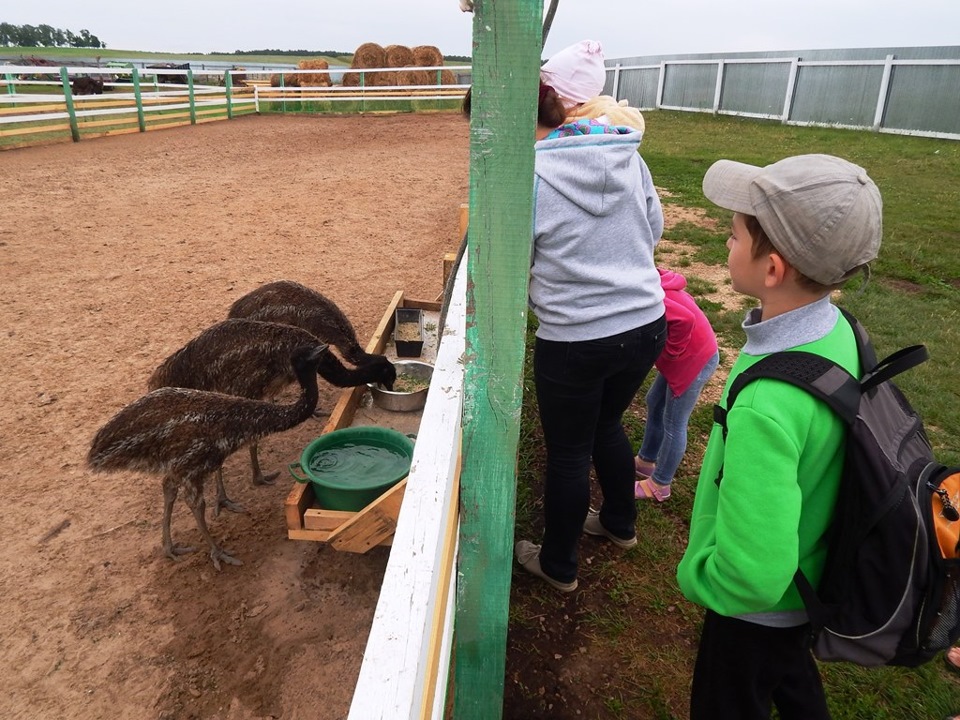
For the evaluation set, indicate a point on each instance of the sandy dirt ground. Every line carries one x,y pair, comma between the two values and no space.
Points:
115,252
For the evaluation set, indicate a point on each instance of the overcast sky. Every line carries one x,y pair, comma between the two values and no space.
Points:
624,27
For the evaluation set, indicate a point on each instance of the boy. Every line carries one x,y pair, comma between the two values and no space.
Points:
801,228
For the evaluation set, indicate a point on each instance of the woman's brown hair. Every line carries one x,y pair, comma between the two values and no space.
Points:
550,111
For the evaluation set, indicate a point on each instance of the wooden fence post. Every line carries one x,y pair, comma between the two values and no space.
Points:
507,44
11,90
68,98
228,90
141,120
193,99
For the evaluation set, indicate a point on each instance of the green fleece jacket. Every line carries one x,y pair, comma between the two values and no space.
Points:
782,462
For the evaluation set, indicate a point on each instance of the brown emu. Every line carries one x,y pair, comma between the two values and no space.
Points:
291,303
249,358
185,435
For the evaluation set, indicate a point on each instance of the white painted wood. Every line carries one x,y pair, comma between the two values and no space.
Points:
395,668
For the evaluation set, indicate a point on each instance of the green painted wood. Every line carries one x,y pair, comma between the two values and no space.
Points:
138,97
68,98
193,100
228,88
11,88
506,61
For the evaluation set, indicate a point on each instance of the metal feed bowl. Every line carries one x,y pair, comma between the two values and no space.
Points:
403,401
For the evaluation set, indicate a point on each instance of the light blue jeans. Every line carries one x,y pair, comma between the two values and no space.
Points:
665,437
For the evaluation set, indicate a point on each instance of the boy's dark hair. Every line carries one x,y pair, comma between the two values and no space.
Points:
550,110
762,246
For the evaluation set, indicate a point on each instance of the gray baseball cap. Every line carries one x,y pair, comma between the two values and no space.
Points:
822,213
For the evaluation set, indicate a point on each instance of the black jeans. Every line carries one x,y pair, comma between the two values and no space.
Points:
583,389
743,669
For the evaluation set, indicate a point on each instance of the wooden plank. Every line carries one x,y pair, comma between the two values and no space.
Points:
372,525
507,45
321,519
463,219
298,500
35,130
431,305
447,562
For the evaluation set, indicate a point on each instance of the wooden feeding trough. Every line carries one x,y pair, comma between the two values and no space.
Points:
374,524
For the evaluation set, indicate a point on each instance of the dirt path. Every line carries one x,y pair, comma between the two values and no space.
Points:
115,252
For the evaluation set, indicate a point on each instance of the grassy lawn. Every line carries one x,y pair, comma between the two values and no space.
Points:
629,619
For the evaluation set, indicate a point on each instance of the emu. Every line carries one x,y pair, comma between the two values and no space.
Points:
185,435
291,303
249,358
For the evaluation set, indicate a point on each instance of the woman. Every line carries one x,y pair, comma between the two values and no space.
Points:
596,292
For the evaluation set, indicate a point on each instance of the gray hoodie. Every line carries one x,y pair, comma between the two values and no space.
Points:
597,220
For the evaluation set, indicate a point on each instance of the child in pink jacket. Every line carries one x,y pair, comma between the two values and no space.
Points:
686,363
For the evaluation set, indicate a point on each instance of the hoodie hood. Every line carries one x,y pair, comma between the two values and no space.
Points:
670,280
589,164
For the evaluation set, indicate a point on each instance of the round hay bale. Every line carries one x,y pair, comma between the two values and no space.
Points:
289,80
447,77
351,79
313,79
427,56
369,55
407,77
398,56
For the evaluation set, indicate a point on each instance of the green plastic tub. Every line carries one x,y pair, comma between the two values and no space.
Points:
352,467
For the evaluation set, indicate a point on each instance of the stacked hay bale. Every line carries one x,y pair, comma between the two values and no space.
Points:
313,79
426,56
399,56
289,80
368,55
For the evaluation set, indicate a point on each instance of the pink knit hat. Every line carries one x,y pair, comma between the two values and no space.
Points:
577,72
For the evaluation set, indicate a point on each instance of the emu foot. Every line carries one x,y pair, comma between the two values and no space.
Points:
175,551
217,554
321,413
224,502
268,479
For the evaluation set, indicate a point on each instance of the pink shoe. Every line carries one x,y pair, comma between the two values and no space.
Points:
647,489
643,468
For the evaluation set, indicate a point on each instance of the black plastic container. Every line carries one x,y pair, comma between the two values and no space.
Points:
408,332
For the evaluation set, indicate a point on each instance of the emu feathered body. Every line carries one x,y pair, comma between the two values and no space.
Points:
185,435
250,358
291,303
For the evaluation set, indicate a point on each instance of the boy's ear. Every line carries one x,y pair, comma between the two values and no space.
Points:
776,271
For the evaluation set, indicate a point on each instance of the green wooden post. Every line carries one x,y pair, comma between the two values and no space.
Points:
11,90
228,87
506,60
193,100
68,98
135,76
363,95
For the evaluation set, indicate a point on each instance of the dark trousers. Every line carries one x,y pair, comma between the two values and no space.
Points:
583,389
743,669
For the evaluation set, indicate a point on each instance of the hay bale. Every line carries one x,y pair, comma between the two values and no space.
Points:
368,55
313,79
289,80
447,77
398,56
427,56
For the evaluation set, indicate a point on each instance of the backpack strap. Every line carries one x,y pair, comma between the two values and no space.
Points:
819,376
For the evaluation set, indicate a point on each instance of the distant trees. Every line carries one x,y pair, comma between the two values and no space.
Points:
46,36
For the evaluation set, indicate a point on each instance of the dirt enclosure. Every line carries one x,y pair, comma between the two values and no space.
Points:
115,253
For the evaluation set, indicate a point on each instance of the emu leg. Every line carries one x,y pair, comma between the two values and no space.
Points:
258,477
222,500
193,494
169,497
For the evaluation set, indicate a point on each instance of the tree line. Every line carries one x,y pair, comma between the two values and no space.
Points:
46,36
